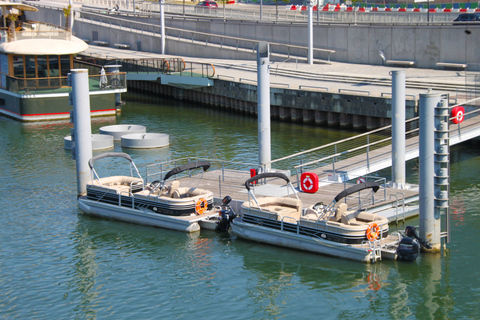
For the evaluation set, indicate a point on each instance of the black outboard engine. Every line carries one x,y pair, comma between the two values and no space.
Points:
409,247
226,215
412,232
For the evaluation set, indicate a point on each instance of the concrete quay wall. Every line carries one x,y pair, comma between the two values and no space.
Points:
310,107
356,43
423,44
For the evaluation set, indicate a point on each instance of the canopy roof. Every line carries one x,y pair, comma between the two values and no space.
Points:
44,46
18,6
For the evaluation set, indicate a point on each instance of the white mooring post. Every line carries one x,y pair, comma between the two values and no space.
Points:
82,129
263,105
162,25
429,222
310,32
398,128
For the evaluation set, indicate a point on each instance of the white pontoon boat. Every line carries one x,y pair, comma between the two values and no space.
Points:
158,204
334,229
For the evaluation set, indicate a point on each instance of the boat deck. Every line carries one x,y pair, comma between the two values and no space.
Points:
232,183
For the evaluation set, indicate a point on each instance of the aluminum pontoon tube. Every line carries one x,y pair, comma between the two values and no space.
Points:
429,226
398,128
263,91
82,130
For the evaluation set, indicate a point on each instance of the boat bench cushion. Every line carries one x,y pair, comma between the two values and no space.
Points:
278,207
116,181
366,216
185,192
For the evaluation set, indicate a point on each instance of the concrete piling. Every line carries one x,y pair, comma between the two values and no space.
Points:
82,130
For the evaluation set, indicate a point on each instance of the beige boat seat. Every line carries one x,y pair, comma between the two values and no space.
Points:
277,206
341,209
173,186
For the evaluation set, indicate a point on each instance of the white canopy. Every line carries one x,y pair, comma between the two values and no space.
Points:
44,46
18,6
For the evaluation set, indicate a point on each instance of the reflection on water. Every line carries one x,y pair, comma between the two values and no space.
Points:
56,262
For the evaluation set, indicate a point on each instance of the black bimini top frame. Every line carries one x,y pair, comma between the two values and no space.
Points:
189,166
358,187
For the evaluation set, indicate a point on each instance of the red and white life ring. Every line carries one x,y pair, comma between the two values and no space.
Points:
309,182
458,114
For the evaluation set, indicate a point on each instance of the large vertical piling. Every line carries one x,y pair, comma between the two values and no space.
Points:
263,106
398,128
429,223
82,129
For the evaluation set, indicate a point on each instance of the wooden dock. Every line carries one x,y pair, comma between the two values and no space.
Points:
232,183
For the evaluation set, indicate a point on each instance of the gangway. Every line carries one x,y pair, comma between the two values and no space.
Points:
174,72
370,152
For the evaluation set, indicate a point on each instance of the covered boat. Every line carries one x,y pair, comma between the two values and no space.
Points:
35,60
159,204
334,229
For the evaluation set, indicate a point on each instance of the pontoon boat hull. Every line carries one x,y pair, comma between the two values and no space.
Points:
301,242
144,217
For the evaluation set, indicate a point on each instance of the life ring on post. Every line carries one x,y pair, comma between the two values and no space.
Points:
373,231
201,206
309,182
458,114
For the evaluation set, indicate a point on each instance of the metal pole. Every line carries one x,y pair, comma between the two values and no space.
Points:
310,32
263,107
398,128
261,9
429,225
82,130
70,3
162,25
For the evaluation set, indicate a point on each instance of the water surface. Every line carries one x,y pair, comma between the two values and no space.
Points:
57,263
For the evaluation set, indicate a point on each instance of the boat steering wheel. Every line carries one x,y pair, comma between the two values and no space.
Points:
319,206
155,185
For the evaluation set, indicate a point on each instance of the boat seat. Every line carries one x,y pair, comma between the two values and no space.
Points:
341,209
173,186
347,217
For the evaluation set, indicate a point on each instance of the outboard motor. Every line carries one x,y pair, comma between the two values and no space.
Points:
409,247
226,215
411,231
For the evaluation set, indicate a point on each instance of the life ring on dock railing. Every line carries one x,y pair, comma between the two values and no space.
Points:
458,114
201,206
373,231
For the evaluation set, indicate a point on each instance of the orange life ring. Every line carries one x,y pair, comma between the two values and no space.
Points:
373,231
201,206
458,114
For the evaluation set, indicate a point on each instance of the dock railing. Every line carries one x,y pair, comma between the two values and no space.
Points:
364,150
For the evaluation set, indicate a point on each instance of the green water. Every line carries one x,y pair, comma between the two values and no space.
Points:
57,263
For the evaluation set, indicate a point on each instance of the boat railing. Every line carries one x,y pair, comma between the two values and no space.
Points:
282,221
371,198
97,82
35,30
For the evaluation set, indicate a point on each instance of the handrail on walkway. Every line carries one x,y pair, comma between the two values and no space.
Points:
208,38
365,147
